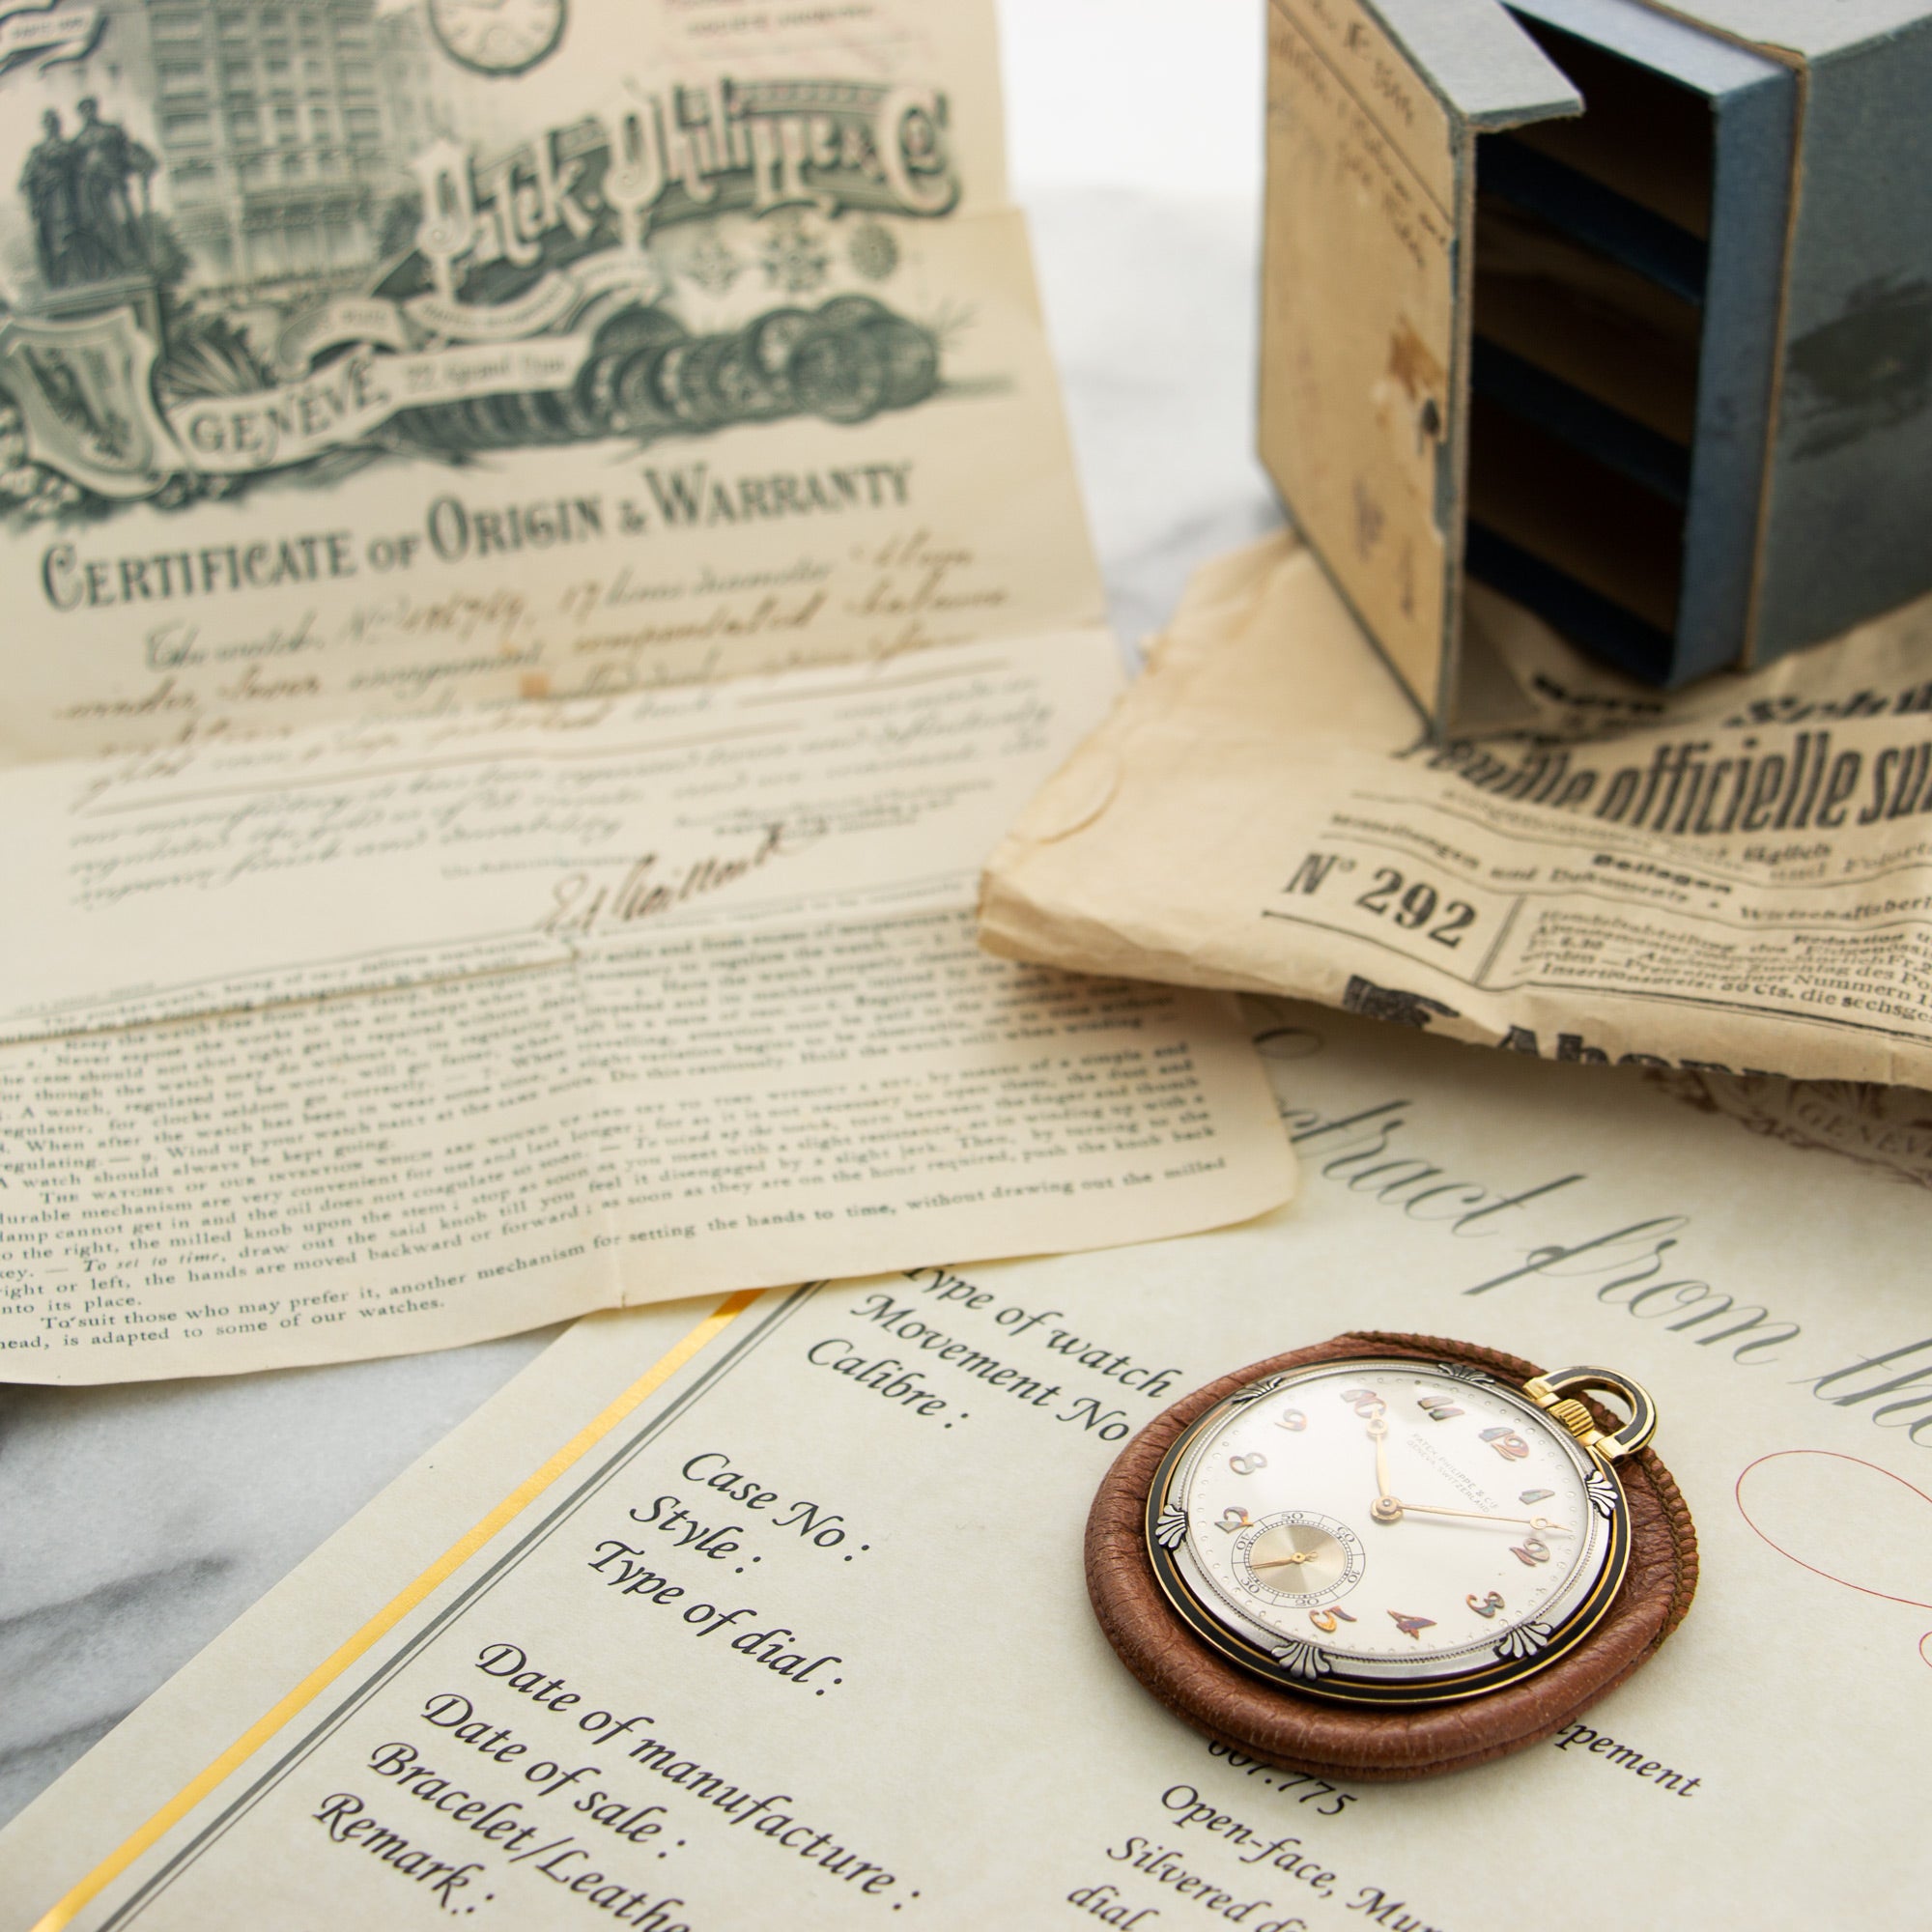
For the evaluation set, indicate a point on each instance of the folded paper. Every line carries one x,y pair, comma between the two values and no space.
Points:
1731,880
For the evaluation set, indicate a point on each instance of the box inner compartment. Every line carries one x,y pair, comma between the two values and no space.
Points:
1592,245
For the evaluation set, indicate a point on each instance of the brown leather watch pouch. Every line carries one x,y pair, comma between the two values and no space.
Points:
1352,1742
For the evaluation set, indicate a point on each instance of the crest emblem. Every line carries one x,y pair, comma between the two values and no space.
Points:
87,402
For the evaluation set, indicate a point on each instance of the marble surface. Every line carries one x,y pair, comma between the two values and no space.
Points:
136,1521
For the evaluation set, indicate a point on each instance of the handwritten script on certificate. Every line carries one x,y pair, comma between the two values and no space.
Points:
514,664
688,999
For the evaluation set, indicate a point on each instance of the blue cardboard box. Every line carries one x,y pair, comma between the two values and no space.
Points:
1625,311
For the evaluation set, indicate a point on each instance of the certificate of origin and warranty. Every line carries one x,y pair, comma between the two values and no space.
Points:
541,553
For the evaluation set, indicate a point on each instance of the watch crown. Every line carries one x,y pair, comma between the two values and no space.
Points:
1568,1411
1578,1421
1546,1392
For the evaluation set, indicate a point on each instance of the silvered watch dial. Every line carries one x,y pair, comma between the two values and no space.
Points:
1388,1531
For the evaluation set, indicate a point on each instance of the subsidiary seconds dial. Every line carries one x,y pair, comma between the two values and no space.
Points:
1388,1531
498,37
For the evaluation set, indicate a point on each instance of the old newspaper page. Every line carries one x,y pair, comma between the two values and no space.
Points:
542,551
1732,879
716,1642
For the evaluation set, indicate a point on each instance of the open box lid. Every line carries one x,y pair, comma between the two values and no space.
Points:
1366,288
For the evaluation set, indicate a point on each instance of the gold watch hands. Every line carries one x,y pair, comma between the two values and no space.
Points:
1390,1508
1384,1508
1281,1562
1479,1515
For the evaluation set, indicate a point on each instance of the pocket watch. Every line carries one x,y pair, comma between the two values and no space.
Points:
1391,1528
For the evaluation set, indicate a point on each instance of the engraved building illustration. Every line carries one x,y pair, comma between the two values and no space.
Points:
271,134
270,123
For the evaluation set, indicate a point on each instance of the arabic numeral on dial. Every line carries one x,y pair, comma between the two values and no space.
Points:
1437,1410
1484,1606
1534,1551
1292,1420
1365,1404
1247,1464
1231,1518
1507,1444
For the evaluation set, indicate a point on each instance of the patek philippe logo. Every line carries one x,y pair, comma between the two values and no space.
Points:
1465,1485
494,279
681,154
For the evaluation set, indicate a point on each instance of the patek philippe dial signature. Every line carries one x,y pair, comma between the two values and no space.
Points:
497,35
1413,1533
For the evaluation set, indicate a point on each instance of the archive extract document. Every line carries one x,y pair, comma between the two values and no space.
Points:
796,1632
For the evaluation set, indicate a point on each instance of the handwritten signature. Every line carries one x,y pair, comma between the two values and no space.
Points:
650,887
